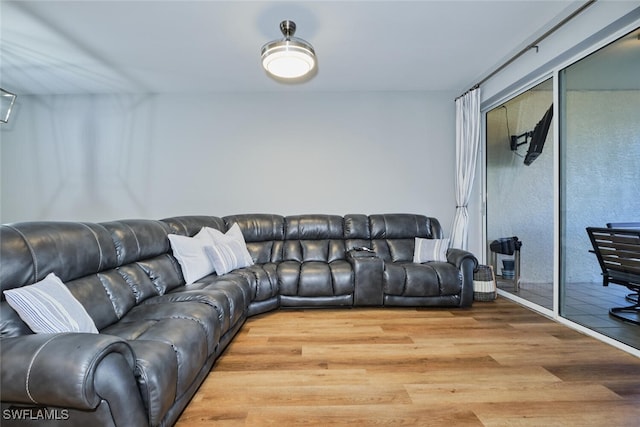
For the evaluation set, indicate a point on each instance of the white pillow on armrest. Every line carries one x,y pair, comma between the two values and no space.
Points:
49,307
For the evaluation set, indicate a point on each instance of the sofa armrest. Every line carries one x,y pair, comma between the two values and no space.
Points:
368,270
466,262
458,256
63,369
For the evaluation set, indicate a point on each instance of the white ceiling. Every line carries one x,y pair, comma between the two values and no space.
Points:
209,46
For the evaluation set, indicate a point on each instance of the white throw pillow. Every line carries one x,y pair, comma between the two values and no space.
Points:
430,250
49,307
191,255
229,250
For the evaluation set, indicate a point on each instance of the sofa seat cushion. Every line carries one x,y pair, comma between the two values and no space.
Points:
229,293
431,279
220,301
202,315
315,278
190,328
217,300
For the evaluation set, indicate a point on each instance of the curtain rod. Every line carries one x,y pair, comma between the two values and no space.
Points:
532,45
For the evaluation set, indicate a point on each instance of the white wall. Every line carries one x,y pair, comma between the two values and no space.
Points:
97,158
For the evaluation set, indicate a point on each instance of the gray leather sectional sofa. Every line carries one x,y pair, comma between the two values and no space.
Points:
158,338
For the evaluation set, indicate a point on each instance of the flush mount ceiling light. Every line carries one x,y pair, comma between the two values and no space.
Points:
290,57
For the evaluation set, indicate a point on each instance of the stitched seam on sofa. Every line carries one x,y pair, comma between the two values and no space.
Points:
384,221
147,272
198,321
33,359
109,295
327,250
257,280
31,251
404,281
440,289
392,255
332,280
143,374
176,268
135,236
232,308
132,285
273,285
95,236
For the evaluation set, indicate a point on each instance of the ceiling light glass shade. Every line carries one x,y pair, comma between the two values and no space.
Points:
290,57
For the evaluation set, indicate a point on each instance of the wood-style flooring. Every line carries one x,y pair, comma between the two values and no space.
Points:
496,364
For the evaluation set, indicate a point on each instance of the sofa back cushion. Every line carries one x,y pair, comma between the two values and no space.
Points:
137,239
263,234
31,250
163,271
356,231
104,295
314,238
393,235
109,295
190,225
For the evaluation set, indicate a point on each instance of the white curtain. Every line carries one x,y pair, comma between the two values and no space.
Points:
467,143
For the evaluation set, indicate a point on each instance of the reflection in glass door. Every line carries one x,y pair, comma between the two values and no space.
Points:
599,177
520,194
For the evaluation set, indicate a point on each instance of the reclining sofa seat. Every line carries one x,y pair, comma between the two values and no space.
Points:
406,283
159,338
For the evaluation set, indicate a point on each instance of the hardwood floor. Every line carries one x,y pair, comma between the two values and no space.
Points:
497,364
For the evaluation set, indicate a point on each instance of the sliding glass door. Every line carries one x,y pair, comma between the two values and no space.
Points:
599,177
547,191
520,194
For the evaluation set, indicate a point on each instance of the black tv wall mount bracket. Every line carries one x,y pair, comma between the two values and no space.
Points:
515,140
